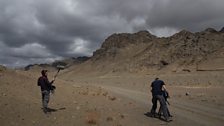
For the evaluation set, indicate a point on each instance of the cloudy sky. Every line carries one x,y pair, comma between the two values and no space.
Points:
39,31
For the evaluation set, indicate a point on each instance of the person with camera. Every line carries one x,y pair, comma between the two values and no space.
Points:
158,86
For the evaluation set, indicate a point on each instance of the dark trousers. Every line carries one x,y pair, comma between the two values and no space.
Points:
163,105
154,105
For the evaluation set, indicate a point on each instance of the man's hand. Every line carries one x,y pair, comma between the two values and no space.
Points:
53,80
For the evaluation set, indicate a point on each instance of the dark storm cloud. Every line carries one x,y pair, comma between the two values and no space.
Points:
34,31
194,15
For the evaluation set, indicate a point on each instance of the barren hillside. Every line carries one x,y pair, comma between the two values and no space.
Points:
143,52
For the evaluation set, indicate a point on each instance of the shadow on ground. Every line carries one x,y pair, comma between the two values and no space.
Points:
149,114
54,110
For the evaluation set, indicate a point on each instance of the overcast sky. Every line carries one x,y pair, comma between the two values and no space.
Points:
39,31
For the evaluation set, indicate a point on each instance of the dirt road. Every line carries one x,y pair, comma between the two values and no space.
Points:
185,113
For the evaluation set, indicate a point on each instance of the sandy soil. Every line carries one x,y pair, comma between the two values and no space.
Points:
112,100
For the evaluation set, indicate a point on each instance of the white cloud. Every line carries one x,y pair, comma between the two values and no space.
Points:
31,50
80,46
163,32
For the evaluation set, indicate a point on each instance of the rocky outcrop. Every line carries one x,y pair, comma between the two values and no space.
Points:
210,30
116,42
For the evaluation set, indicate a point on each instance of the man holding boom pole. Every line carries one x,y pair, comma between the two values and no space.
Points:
45,87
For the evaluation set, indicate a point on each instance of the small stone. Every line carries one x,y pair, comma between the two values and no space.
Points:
112,98
77,108
109,119
122,116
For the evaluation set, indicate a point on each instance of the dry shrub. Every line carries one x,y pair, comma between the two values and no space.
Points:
105,93
110,119
85,93
122,116
92,121
112,98
99,91
92,118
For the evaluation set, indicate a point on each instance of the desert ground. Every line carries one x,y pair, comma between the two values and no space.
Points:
196,98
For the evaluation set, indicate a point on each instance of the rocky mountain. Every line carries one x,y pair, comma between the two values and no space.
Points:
31,66
70,61
65,62
222,30
144,52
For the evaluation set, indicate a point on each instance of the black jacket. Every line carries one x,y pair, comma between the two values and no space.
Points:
44,83
157,87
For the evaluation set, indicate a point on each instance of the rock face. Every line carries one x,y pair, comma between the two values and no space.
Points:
222,30
142,51
70,61
116,42
66,62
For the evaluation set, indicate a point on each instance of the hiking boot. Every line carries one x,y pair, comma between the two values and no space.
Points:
51,110
45,110
159,115
153,114
168,120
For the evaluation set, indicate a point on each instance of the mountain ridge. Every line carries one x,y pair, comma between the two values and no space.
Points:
144,52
